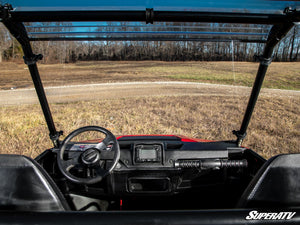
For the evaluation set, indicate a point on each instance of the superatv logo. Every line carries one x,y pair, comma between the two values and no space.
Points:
255,215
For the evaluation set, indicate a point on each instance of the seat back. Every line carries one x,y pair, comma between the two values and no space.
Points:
25,186
276,184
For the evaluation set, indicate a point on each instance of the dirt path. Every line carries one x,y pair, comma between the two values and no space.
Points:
74,93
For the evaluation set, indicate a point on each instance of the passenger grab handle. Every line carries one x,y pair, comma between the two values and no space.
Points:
210,163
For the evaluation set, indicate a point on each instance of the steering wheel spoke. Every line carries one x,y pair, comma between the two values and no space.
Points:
91,158
70,163
101,146
108,140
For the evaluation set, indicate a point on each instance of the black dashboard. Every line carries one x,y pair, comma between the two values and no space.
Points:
168,165
159,167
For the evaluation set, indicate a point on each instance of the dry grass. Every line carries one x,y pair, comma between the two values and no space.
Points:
280,75
275,127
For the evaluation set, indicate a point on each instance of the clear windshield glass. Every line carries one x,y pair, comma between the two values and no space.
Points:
192,88
140,31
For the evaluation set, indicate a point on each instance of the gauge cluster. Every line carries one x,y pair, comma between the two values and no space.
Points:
148,153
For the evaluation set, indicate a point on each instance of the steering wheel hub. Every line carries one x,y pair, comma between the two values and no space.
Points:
90,157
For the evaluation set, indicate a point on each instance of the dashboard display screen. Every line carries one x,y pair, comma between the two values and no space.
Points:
147,154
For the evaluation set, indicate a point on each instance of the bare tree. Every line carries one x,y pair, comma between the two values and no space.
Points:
5,40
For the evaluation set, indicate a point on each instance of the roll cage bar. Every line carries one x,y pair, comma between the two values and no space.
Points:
14,21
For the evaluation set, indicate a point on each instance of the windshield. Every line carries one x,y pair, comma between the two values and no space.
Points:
170,78
139,31
149,97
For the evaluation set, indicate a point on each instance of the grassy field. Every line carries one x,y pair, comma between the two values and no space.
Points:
280,75
275,126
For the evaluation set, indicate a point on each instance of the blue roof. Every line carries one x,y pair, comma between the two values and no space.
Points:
250,6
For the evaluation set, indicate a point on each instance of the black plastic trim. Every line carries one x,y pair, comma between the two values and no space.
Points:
180,16
186,217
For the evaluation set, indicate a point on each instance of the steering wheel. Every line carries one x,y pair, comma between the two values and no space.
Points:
89,159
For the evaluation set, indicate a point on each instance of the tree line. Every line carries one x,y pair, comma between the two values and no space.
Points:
73,51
